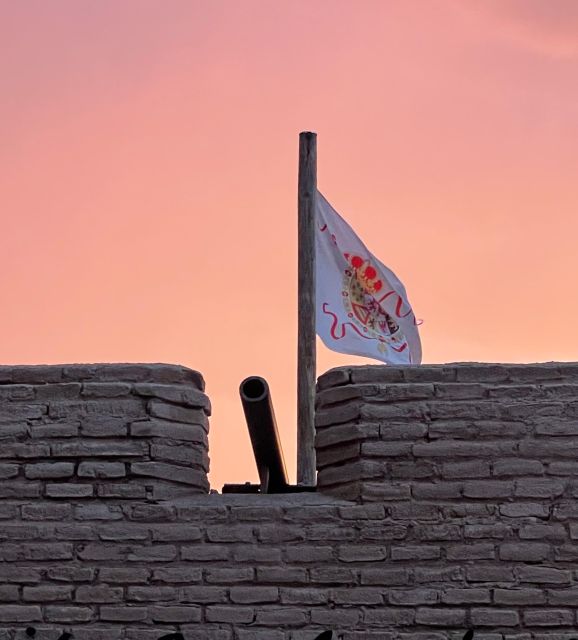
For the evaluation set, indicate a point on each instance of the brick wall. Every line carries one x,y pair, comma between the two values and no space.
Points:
447,501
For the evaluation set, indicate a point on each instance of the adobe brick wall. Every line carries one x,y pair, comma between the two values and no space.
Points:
112,432
459,511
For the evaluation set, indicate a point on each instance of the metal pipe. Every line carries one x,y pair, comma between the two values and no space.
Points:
258,409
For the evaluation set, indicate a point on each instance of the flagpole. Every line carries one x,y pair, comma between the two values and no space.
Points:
307,193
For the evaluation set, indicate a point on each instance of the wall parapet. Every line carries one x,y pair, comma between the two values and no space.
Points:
112,432
449,432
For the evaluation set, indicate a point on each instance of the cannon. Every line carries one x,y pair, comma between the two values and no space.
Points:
260,417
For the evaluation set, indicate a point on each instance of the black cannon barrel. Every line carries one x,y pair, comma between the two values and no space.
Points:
256,400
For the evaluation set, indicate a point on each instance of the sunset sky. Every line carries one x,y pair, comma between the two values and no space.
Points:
148,175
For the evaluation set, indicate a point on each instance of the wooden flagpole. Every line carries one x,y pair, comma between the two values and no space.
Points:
307,193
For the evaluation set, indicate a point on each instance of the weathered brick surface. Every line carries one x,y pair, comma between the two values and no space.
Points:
66,433
460,512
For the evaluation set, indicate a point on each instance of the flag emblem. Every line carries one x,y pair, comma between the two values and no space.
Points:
362,307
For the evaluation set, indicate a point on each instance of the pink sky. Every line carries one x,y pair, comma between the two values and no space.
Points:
148,169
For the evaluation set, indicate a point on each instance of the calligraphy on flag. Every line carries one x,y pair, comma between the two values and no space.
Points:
361,306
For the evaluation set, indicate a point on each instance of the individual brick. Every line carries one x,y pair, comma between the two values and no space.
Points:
20,613
71,574
175,614
230,615
47,593
123,613
202,595
539,488
169,430
253,595
169,472
440,617
517,467
152,594
67,615
101,470
544,575
64,490
519,596
177,574
82,449
8,471
548,617
423,552
46,511
412,597
492,617
525,551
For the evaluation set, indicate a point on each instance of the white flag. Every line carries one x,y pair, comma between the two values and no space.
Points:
361,306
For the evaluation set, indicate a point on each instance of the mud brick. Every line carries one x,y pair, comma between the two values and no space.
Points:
519,597
152,594
156,553
8,471
49,470
548,618
202,595
181,454
9,593
177,574
19,574
57,613
105,389
205,553
229,575
169,430
473,469
124,575
492,617
524,510
71,574
47,593
123,613
99,449
282,575
412,597
20,490
304,596
230,615
544,575
103,427
440,617
387,616
338,435
176,413
545,532
101,470
361,553
24,450
54,430
428,575
254,595
151,512
20,613
46,512
64,490
125,491
423,552
97,512
175,614
476,551
174,393
539,488
169,472
466,596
